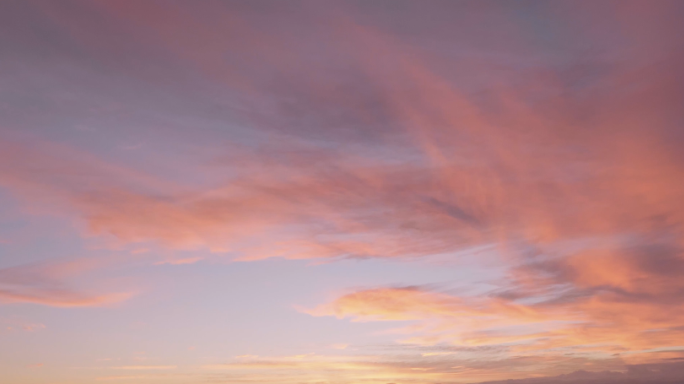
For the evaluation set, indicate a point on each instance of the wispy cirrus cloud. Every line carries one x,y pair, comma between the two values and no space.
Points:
363,130
50,284
458,367
548,317
516,163
637,374
19,324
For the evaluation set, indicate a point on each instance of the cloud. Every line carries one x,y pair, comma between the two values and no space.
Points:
44,283
18,324
665,373
286,369
554,319
431,161
403,365
188,260
440,316
371,132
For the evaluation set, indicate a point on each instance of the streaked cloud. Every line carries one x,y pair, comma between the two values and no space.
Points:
638,374
464,168
167,134
48,284
146,367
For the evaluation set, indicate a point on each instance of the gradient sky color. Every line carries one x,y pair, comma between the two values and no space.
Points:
352,192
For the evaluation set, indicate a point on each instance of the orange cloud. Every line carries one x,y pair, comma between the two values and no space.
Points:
398,367
600,320
443,317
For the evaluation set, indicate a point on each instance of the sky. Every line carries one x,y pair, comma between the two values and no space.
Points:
341,192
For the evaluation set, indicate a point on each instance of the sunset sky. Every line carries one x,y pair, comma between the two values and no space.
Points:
348,192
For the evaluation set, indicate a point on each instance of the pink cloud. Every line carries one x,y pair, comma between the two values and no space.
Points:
360,137
19,324
49,284
453,169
